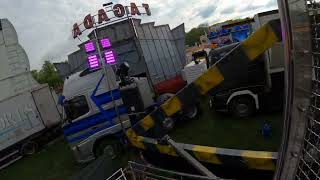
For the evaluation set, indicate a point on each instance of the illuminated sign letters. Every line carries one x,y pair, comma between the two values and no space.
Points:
88,22
118,11
102,16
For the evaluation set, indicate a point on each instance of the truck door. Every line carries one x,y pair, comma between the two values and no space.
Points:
46,106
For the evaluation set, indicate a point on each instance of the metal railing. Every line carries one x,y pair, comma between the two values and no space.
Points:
142,172
136,171
309,160
118,175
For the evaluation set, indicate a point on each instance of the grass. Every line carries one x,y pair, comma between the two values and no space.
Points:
222,130
52,163
56,162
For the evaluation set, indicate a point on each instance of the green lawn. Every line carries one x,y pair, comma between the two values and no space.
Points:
222,130
55,162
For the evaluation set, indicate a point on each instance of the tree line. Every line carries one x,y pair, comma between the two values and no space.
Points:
48,74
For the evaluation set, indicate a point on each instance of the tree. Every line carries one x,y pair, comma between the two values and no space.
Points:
48,74
35,74
193,36
203,25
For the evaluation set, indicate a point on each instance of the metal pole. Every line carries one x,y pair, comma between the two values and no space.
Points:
191,160
104,66
130,21
132,171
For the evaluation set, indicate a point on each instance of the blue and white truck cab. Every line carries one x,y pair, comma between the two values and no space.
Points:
97,108
90,114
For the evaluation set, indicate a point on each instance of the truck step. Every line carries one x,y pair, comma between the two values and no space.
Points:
9,159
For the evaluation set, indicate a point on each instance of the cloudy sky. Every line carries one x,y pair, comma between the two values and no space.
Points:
44,26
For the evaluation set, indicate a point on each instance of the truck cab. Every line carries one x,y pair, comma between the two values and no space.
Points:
93,110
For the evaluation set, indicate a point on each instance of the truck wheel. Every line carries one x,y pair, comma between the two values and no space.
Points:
210,103
168,123
110,148
242,106
164,97
29,148
191,112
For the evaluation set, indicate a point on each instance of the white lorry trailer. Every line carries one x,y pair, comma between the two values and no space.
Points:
28,111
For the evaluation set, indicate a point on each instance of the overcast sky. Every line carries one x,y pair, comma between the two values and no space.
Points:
44,26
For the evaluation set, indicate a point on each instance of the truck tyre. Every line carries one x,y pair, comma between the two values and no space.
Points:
210,103
108,147
242,106
28,148
168,123
191,112
164,97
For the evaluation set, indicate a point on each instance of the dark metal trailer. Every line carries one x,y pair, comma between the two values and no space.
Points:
263,90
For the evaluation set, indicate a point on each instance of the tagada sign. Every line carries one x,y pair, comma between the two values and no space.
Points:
109,14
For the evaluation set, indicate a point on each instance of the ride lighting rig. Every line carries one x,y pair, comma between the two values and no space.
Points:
110,57
92,54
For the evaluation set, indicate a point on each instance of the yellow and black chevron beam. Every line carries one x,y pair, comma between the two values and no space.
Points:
232,70
262,39
258,160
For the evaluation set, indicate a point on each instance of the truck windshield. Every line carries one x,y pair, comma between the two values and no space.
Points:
76,107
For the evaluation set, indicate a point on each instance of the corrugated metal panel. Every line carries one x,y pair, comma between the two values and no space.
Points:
153,70
77,61
161,55
178,34
63,69
149,49
116,32
169,58
127,52
160,51
172,46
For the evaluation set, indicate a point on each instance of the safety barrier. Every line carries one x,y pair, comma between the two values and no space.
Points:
232,68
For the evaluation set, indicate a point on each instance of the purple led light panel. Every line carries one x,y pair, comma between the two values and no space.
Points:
93,61
110,57
89,47
105,43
